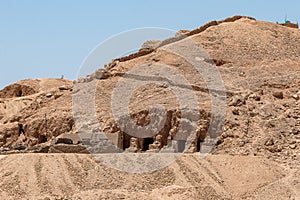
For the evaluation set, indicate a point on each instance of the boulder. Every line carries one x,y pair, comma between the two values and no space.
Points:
150,45
19,147
48,95
39,149
67,148
63,141
237,101
68,139
278,95
296,97
64,87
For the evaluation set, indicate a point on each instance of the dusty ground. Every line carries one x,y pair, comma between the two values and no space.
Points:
75,176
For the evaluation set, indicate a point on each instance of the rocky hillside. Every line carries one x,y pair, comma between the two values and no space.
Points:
42,107
260,67
252,127
259,63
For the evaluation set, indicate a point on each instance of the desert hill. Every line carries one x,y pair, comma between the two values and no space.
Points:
40,105
259,63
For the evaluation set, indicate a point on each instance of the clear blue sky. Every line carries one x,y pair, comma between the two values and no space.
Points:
50,38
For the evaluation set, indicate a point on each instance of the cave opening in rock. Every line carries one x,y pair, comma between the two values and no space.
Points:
147,142
126,140
198,145
42,139
19,93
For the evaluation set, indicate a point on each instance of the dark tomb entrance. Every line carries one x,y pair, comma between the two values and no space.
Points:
126,141
147,142
198,145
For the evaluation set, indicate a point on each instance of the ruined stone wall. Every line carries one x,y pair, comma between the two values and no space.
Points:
291,25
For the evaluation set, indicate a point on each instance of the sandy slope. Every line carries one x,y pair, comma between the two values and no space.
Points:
75,176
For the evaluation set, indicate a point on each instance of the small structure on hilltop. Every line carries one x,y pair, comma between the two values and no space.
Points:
288,23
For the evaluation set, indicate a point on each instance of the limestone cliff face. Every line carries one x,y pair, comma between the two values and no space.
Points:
42,106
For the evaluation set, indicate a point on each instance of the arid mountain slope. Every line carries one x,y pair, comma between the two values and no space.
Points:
256,154
256,60
42,106
260,67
